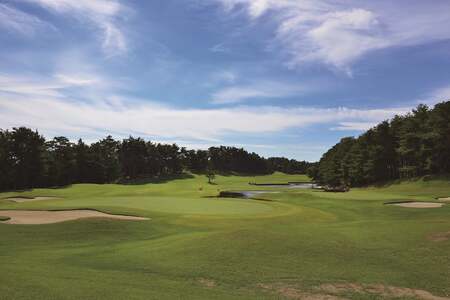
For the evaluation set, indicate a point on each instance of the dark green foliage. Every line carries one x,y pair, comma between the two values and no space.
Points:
313,170
197,161
407,146
133,155
288,166
105,160
27,161
21,158
60,162
83,162
230,159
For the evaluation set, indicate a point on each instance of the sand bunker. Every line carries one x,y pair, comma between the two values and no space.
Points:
337,291
48,217
295,293
440,236
384,291
209,283
446,199
413,204
29,199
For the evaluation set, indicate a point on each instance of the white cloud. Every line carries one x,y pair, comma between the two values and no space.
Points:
155,120
42,86
338,33
219,48
354,126
27,86
439,95
47,106
435,96
77,80
260,90
340,38
104,14
98,108
16,20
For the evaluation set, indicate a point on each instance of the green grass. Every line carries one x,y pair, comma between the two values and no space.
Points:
302,238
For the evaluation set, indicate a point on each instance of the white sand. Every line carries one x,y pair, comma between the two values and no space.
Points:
418,204
24,199
48,217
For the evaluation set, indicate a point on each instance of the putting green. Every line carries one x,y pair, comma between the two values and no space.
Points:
206,206
189,196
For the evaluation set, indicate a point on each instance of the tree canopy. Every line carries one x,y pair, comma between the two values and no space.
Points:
407,146
27,160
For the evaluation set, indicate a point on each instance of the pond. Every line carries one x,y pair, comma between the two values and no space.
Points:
292,185
256,193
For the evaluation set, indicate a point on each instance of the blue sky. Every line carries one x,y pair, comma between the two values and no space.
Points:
278,77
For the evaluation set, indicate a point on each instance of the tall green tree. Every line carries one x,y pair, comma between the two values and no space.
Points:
26,153
133,157
406,146
83,162
61,163
105,155
6,161
440,138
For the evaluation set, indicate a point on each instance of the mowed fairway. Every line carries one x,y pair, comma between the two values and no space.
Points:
304,244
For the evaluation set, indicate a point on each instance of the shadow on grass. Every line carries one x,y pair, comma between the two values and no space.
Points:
239,198
387,183
229,174
123,181
155,180
24,190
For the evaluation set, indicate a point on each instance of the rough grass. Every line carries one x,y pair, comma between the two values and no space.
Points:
199,247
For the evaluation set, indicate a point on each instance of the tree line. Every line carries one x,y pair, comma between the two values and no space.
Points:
415,144
28,160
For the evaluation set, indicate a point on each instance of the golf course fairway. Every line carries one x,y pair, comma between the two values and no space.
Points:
190,244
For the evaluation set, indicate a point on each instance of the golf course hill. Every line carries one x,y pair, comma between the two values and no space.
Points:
279,243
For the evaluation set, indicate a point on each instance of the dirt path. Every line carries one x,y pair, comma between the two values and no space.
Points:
48,217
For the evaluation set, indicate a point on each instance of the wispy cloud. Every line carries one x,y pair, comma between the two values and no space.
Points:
435,96
105,15
219,48
26,86
439,95
259,90
47,106
18,21
46,86
339,33
354,126
226,76
70,117
77,80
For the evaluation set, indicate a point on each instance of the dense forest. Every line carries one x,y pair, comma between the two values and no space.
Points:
406,146
27,160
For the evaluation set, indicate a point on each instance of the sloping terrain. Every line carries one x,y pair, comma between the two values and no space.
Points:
304,244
